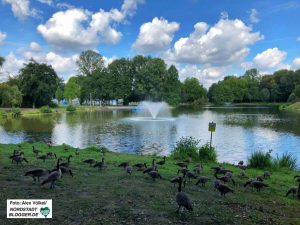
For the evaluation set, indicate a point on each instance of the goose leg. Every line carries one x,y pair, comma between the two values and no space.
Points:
177,211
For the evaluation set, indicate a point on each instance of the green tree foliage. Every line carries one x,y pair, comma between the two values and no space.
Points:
11,96
89,62
193,91
72,89
38,83
172,87
2,60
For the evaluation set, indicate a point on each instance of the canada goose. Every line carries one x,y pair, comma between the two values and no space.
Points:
54,176
241,163
267,174
216,184
37,173
197,169
100,165
297,179
43,157
51,154
182,164
258,185
19,158
140,166
228,174
182,199
202,180
217,168
190,175
15,154
66,164
128,169
225,179
176,180
35,150
223,189
297,176
154,173
89,161
149,169
162,162
292,190
183,171
64,170
123,164
260,178
242,174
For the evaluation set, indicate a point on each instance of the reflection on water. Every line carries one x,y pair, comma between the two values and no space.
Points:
240,130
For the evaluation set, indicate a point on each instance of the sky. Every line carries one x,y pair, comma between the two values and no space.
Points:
206,39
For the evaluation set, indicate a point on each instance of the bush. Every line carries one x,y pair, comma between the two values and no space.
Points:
287,160
189,147
16,112
260,160
71,108
186,147
45,109
207,154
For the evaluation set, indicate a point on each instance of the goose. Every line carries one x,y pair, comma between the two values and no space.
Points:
51,154
176,180
19,158
292,190
37,173
223,189
64,170
162,162
190,175
183,199
242,174
123,164
183,171
241,163
43,157
35,150
258,185
54,176
66,164
260,178
128,169
15,154
202,180
182,164
197,169
267,174
149,169
225,179
140,166
100,165
89,161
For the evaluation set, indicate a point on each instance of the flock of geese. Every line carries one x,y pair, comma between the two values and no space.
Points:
222,175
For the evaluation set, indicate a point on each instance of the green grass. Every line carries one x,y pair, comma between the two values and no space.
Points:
112,197
293,107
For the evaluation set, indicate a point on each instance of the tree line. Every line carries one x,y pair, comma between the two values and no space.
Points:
137,79
281,86
132,80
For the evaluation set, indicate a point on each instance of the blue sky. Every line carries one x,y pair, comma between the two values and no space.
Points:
207,39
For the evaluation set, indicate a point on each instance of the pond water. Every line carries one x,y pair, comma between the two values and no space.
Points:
240,130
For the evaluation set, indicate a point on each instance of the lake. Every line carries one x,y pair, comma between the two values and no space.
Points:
239,131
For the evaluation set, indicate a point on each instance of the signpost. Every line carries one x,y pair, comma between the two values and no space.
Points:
211,128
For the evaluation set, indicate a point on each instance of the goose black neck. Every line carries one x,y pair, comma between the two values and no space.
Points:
57,165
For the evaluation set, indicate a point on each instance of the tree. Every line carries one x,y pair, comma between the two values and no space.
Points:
38,83
11,97
89,61
2,60
72,89
193,91
172,87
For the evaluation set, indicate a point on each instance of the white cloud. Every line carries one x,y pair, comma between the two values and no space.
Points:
48,2
35,46
224,15
79,29
270,58
254,16
225,43
296,62
2,37
298,39
21,8
11,66
155,35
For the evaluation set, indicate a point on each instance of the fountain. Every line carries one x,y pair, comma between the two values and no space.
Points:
152,111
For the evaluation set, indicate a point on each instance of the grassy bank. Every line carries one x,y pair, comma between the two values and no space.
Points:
113,197
295,107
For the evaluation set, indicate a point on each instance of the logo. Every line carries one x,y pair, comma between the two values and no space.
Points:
45,211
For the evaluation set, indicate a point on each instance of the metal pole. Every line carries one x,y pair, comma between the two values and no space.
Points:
210,140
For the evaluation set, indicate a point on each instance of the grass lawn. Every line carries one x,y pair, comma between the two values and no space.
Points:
113,197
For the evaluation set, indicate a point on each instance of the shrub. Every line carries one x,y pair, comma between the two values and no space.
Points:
207,154
260,160
45,109
287,160
186,147
71,108
16,112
